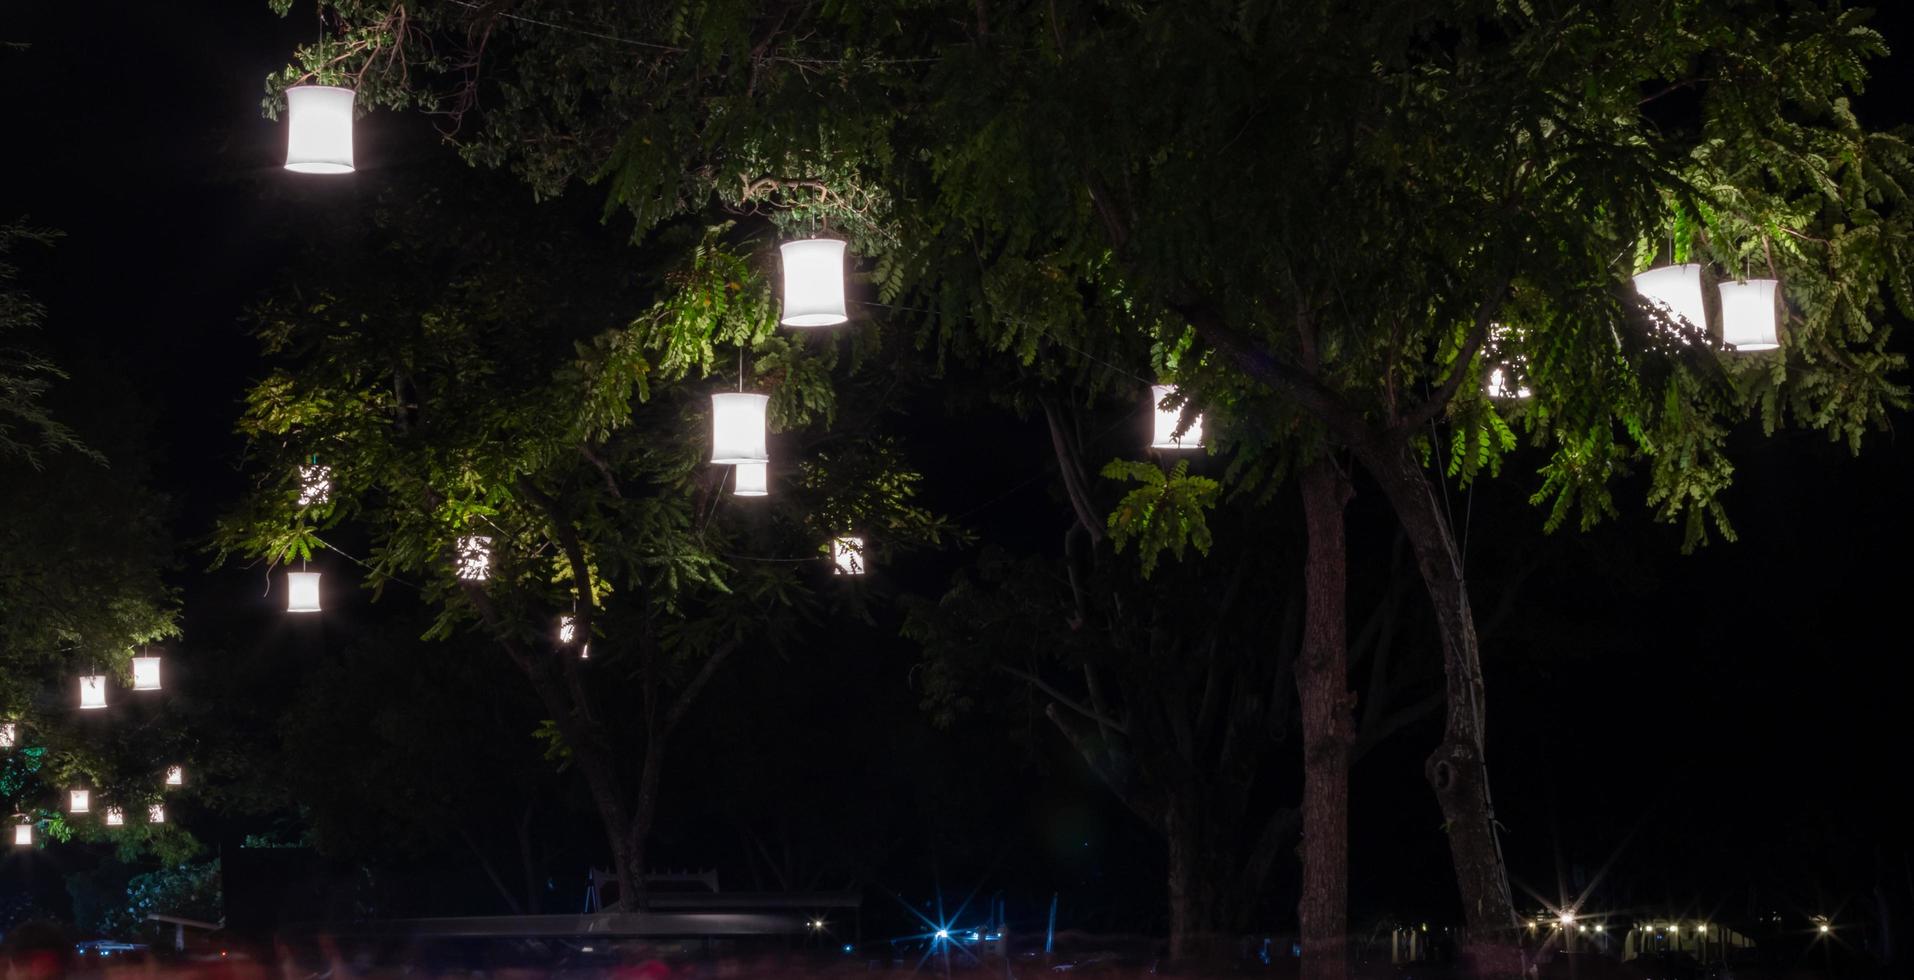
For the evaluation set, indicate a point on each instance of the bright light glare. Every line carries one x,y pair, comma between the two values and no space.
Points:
23,835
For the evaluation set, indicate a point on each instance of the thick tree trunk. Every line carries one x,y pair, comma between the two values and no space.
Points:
642,818
1322,684
1205,910
1457,769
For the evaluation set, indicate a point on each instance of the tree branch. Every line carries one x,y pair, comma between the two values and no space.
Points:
1064,699
689,693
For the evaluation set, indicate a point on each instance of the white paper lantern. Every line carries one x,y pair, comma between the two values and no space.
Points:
115,817
1498,385
813,283
737,428
146,673
9,735
93,691
1748,314
319,129
175,775
1168,419
567,629
315,485
1676,291
474,562
156,813
751,479
847,555
23,835
302,592
79,800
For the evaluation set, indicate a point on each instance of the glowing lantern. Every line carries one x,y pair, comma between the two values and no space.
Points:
315,485
23,835
847,555
1747,314
1500,386
115,817
1675,290
737,428
146,673
813,283
302,592
9,735
474,558
79,800
319,129
751,479
568,632
93,691
1167,420
175,776
156,813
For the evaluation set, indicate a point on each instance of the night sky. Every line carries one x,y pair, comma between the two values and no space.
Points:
1726,732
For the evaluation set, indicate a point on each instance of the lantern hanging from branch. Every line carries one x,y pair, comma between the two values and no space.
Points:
175,775
813,283
1675,290
146,673
1748,314
1502,383
9,734
737,428
79,800
319,129
1167,420
474,562
93,691
315,485
23,835
302,592
568,634
847,555
156,813
115,817
751,479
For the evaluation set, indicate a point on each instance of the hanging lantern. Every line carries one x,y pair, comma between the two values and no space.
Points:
1675,290
93,691
568,632
9,734
474,563
737,428
1167,419
115,817
79,800
315,485
1748,314
146,673
175,775
751,479
302,592
847,555
156,813
1498,386
813,283
319,129
23,835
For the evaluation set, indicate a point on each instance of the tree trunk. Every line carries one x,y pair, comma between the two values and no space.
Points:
1457,770
642,817
1322,685
1204,909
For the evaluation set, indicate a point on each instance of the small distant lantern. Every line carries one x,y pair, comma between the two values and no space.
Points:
1501,384
79,800
302,592
847,555
115,817
1675,290
315,485
146,673
319,129
751,479
156,813
23,835
93,691
474,562
1499,388
737,428
568,634
9,735
813,283
1167,420
175,775
1748,314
